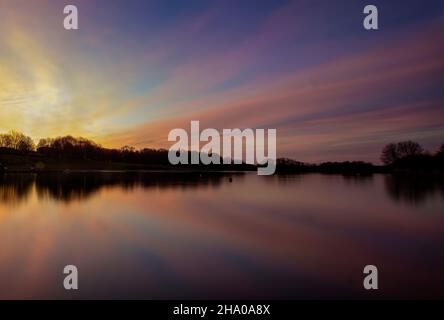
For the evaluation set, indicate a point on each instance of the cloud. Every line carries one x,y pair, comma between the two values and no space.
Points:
331,109
330,97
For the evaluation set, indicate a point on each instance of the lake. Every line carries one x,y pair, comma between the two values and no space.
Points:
155,235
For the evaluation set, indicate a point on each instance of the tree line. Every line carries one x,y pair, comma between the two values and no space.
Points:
402,155
69,147
83,149
410,155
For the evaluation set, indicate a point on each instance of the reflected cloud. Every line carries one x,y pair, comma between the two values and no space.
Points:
273,237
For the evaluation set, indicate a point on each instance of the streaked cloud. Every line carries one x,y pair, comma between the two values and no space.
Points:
135,71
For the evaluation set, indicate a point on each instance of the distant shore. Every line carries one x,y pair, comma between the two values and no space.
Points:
33,162
19,154
12,161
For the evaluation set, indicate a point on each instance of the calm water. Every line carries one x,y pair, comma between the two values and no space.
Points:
157,235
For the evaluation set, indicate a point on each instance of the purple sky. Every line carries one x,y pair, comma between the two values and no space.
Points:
137,69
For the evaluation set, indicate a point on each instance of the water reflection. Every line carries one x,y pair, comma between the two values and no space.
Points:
156,235
358,179
413,189
15,188
410,189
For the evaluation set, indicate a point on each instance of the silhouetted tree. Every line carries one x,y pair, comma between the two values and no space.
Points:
44,143
389,154
401,156
393,152
16,140
5,141
441,150
409,148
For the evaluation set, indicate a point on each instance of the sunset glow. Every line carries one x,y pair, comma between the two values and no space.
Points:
135,70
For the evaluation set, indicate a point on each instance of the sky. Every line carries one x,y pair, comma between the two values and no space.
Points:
137,69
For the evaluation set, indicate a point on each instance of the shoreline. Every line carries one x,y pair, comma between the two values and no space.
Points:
197,171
